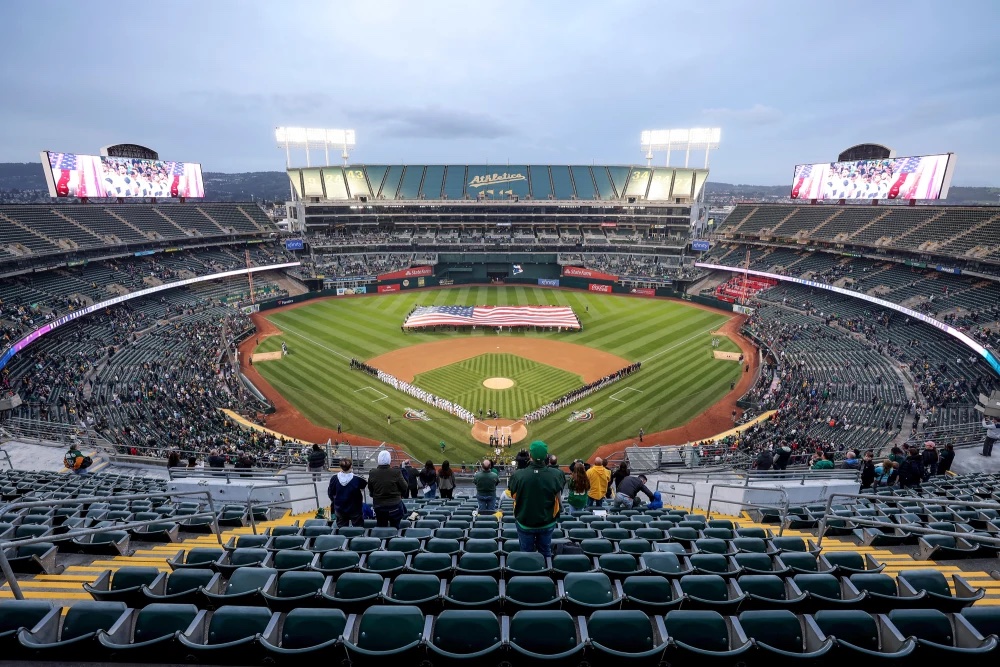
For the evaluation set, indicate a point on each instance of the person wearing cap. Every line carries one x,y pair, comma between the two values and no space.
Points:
388,488
536,490
486,480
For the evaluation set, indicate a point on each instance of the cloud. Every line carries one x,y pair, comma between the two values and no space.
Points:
433,122
758,114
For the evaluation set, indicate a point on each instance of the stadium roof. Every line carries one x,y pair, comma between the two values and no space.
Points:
499,183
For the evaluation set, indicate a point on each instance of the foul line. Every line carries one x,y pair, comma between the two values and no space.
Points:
686,340
295,333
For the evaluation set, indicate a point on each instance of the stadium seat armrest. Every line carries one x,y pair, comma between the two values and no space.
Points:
49,625
618,590
384,593
272,634
872,565
502,588
505,630
905,589
270,586
560,590
891,638
428,634
661,629
967,636
327,590
102,584
198,627
121,632
964,590
444,589
737,636
815,640
848,591
581,629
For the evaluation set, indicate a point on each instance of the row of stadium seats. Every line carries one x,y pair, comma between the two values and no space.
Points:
179,633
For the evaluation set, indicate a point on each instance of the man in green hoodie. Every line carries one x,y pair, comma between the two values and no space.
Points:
536,491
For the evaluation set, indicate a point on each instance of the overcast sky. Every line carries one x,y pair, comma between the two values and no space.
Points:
509,81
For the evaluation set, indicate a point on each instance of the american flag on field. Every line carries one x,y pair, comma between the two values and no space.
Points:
493,316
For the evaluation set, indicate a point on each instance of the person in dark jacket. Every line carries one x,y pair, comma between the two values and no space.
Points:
317,461
765,460
346,496
867,471
410,475
781,457
216,461
536,490
486,480
620,473
929,459
428,479
387,486
911,471
945,459
628,489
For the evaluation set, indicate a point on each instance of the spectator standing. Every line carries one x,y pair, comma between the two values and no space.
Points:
600,480
782,457
387,486
174,459
764,460
929,459
620,473
446,480
867,471
428,479
317,461
992,435
410,475
628,489
822,462
945,459
536,490
911,471
346,497
486,480
579,485
216,461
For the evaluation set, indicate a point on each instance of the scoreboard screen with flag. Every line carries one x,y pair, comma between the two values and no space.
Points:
926,177
72,175
517,269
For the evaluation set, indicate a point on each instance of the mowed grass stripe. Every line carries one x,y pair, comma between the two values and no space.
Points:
675,385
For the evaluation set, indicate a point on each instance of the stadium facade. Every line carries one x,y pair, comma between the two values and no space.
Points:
482,212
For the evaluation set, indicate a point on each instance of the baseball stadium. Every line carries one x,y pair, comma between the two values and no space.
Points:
767,428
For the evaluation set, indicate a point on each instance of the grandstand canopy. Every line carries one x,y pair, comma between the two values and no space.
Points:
499,183
130,150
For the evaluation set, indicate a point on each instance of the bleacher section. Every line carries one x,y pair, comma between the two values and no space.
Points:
451,587
43,229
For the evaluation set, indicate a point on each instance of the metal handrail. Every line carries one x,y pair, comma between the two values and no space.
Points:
251,504
801,475
6,455
676,494
8,573
782,508
822,526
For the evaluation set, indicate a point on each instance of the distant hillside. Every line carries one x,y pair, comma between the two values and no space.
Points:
23,182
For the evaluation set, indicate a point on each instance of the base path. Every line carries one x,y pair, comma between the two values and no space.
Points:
481,431
713,420
587,362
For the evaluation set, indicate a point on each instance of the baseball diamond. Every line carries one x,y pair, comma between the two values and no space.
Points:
678,380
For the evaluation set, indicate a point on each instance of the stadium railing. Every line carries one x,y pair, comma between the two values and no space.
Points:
992,539
20,428
782,505
966,434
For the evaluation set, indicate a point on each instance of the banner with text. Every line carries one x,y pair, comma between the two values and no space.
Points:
412,272
595,287
385,289
644,291
548,282
580,272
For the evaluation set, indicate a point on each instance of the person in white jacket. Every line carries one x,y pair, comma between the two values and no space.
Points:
992,435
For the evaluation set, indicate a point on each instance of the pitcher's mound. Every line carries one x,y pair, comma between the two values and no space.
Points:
498,383
482,430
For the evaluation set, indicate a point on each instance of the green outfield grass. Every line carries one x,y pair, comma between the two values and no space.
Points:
679,376
535,384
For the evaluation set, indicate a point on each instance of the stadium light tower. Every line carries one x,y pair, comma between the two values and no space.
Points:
309,137
696,138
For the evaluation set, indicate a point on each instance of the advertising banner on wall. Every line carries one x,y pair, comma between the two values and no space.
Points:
595,287
412,272
700,245
644,291
548,282
385,289
580,272
351,291
294,244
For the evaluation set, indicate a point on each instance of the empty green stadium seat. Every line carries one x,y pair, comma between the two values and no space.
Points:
387,633
310,633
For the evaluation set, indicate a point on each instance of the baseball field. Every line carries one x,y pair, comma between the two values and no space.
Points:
507,373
